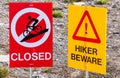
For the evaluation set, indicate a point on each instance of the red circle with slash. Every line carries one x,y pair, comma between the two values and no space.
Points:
30,27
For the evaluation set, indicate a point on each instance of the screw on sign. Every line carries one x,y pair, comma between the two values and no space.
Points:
30,34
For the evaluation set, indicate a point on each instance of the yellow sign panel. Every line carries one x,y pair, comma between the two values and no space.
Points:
87,38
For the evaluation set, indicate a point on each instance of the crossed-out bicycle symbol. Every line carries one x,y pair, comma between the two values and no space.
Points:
32,26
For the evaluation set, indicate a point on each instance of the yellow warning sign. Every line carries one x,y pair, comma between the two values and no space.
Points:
87,38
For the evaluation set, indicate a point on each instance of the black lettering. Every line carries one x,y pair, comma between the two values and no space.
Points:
72,56
84,49
94,51
99,61
77,57
88,59
77,48
83,58
89,50
94,60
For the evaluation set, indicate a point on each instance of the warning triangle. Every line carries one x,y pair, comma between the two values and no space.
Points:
97,40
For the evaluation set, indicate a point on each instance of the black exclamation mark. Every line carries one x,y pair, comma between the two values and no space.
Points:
85,28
